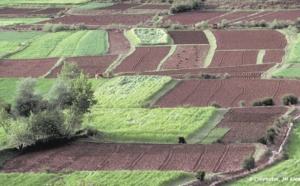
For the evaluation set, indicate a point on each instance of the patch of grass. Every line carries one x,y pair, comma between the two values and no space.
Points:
7,47
294,54
66,43
103,178
171,52
213,45
294,148
128,91
93,6
18,36
260,56
18,2
162,125
18,21
215,135
148,36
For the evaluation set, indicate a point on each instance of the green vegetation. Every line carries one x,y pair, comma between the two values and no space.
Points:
129,91
18,2
288,169
260,56
103,178
295,52
18,21
148,36
215,135
148,125
7,47
213,45
289,72
66,43
93,6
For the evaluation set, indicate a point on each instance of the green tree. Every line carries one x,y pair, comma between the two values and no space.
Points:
200,175
4,114
27,101
248,163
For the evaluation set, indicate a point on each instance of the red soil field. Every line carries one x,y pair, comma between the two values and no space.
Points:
188,37
34,68
143,59
187,57
233,58
149,6
245,71
16,10
247,125
258,15
273,56
283,15
232,16
118,43
102,20
192,18
94,156
249,39
89,64
226,93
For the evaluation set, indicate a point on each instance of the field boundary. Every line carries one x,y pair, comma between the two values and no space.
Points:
171,52
213,46
57,64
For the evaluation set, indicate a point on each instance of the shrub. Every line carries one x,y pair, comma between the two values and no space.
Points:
224,23
182,7
47,27
57,27
262,23
264,102
80,26
262,140
242,103
201,25
289,99
215,104
200,174
248,163
270,136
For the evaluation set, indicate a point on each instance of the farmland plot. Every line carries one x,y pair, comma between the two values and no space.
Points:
148,125
210,158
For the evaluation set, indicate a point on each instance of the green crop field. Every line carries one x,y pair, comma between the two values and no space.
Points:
18,21
18,2
129,91
93,6
67,43
162,125
294,55
288,169
103,178
148,36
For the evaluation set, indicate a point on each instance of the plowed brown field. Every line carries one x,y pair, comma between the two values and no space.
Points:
95,156
25,67
118,44
188,37
143,59
247,125
227,93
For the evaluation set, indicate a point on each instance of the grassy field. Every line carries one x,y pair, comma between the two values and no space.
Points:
66,43
162,125
12,41
294,55
128,91
18,21
148,36
292,70
18,2
288,169
214,135
93,6
133,178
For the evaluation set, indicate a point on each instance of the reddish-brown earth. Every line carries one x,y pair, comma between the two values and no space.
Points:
249,39
10,68
143,59
283,15
188,37
245,71
192,18
233,58
90,65
97,156
47,11
232,16
187,57
118,43
247,125
227,93
102,20
17,10
272,56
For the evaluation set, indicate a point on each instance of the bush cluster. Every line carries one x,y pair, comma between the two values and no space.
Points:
264,102
289,99
181,7
60,27
248,163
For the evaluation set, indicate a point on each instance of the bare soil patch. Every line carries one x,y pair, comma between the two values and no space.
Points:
25,67
93,156
188,37
118,43
273,56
